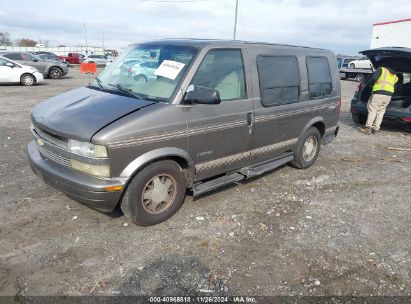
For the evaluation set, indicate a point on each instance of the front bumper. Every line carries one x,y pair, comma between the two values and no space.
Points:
65,70
39,77
83,188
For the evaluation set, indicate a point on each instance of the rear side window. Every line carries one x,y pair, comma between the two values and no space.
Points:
279,80
319,77
13,56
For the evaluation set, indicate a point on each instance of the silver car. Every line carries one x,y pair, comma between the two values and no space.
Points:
215,113
97,59
50,69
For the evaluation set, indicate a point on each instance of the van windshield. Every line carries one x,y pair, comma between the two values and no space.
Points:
151,72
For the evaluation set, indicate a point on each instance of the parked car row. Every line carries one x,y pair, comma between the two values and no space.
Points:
25,67
13,72
77,58
49,69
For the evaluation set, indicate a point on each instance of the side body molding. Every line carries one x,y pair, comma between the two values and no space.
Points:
150,156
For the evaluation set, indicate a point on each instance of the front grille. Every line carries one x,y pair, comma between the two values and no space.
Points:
53,156
57,141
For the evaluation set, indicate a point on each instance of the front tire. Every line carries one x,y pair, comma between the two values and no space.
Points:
27,80
307,149
155,193
55,73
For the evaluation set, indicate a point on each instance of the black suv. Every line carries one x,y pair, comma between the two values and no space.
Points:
399,108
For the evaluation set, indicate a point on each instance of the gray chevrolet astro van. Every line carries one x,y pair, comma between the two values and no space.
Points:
172,115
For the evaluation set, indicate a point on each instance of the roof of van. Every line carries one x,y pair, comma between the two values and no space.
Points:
205,42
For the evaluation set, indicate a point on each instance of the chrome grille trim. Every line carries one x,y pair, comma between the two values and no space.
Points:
51,139
57,158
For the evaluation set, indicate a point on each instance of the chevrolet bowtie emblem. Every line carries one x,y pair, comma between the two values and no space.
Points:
40,142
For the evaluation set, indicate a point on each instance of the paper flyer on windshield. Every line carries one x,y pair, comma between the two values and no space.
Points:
169,69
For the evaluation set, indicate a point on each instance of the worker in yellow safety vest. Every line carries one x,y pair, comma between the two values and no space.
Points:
383,81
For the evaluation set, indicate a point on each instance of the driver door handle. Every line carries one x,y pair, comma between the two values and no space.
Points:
249,119
250,122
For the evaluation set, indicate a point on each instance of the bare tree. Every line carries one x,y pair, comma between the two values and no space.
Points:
5,39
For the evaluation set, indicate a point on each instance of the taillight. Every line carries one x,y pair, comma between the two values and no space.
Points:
339,107
358,87
408,119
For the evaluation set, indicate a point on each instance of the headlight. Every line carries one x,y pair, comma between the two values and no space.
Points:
87,149
96,170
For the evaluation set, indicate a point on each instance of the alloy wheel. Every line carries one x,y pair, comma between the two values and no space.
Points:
159,193
28,80
310,148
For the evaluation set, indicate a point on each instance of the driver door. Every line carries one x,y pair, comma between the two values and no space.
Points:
219,136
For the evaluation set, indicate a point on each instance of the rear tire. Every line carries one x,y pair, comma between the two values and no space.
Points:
307,150
27,80
155,193
358,118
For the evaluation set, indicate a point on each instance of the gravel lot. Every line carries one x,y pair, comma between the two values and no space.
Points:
341,227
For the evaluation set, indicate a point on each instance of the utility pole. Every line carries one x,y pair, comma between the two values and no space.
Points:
235,21
85,34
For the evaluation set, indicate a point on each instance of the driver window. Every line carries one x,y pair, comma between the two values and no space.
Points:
223,70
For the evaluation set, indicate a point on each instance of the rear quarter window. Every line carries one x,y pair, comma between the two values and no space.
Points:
319,77
279,78
13,56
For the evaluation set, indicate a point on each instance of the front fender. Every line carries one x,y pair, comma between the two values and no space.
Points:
153,155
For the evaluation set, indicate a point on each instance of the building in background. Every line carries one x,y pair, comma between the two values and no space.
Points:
59,51
391,33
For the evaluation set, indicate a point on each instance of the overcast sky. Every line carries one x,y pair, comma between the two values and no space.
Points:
344,26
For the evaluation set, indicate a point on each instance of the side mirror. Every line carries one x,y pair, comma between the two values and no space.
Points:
9,64
202,95
35,60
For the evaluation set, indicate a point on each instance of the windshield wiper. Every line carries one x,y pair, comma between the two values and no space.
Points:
99,83
157,99
129,92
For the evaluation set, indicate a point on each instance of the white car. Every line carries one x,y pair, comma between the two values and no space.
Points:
13,72
362,63
143,71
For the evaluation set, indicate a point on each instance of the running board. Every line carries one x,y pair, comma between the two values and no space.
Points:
329,139
216,183
269,165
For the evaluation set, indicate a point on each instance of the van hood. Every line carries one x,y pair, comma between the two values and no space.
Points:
81,113
396,58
